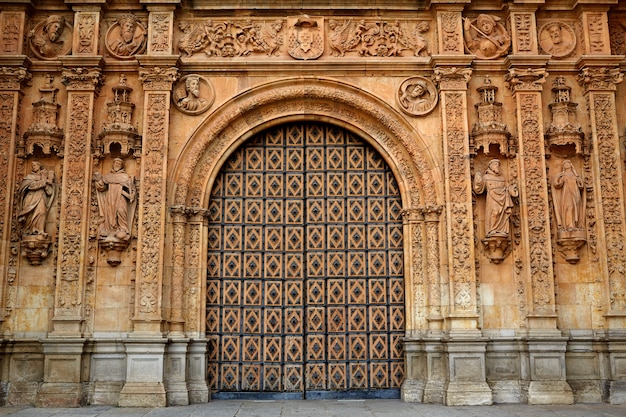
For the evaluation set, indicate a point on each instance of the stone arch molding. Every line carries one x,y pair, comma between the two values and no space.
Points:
308,98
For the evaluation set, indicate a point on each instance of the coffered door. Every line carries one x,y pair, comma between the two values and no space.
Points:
305,290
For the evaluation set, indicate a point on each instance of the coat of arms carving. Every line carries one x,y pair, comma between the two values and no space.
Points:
306,37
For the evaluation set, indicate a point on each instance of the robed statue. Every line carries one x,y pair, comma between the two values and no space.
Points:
499,202
35,195
567,197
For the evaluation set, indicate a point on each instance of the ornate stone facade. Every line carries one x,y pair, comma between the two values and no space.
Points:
420,199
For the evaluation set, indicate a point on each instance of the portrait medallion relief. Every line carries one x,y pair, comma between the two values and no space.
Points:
193,94
557,39
417,96
51,38
486,37
126,37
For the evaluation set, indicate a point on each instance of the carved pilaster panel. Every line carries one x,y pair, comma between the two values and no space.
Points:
158,84
193,296
160,31
526,85
86,35
417,294
450,33
431,219
524,29
178,269
12,27
596,39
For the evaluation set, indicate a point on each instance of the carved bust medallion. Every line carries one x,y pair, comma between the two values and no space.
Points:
193,94
486,37
51,38
557,38
126,37
417,96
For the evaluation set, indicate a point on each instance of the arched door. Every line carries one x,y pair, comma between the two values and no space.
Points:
305,291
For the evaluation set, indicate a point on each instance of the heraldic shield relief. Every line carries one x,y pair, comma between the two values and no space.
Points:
306,37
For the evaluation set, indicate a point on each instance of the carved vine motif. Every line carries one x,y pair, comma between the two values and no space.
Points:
126,37
617,33
557,38
523,26
231,38
486,37
7,106
378,38
51,38
86,29
11,32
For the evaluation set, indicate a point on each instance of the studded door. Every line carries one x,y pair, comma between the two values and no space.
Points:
305,293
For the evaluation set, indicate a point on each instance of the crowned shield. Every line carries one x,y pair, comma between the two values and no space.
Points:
306,37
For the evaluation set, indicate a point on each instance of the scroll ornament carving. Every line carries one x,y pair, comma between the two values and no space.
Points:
557,38
44,132
498,208
232,38
451,38
602,78
595,27
452,78
126,37
455,137
378,38
523,26
11,32
486,37
86,29
117,201
35,196
13,78
160,42
530,79
417,96
51,38
617,33
86,79
569,210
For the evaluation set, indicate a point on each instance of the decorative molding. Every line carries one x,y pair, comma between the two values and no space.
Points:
13,79
158,78
530,79
452,78
600,78
83,79
450,33
86,37
160,33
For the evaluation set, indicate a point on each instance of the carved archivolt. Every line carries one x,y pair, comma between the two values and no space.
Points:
280,101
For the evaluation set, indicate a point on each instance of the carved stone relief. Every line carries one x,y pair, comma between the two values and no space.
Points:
524,25
450,33
117,201
557,38
44,134
11,24
617,32
564,129
193,94
486,37
306,37
160,33
51,38
126,37
417,96
595,30
489,129
569,210
85,41
35,196
119,130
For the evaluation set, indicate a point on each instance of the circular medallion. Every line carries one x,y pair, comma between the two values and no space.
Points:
417,96
193,94
126,37
51,38
557,39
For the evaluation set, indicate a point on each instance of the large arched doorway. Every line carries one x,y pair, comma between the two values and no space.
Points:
305,270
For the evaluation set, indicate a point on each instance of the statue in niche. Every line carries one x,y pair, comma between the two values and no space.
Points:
48,38
127,37
36,193
499,203
485,37
117,201
567,197
557,39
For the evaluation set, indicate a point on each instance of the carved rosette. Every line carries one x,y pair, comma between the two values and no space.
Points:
157,83
526,85
600,85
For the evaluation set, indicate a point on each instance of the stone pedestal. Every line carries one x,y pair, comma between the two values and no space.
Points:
62,374
412,390
196,372
547,372
144,374
617,361
108,372
436,370
507,370
175,372
466,370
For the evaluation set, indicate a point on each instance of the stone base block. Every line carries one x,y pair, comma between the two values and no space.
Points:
588,391
106,393
434,392
143,394
198,393
550,393
617,392
22,393
177,394
412,391
60,395
468,393
508,392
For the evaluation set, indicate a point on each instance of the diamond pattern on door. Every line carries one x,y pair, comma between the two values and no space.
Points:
305,288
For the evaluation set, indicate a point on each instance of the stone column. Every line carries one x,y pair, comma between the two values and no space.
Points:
12,79
600,84
546,347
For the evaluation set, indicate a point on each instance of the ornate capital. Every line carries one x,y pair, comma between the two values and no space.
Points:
158,78
83,79
453,78
600,78
13,78
530,79
413,214
431,213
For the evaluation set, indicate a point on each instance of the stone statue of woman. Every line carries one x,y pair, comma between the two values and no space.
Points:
567,198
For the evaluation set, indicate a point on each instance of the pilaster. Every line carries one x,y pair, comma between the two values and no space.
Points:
600,84
195,272
176,372
157,84
83,79
197,372
12,81
62,377
12,24
546,347
144,373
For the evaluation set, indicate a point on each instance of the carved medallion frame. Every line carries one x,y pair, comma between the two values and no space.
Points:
283,101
